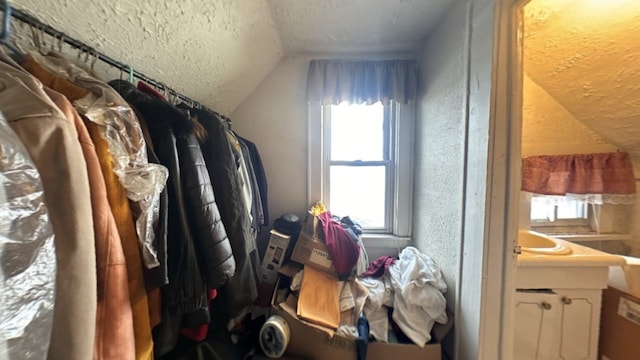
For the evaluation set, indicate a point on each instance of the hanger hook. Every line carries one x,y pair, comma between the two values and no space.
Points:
87,54
6,22
131,80
96,56
35,36
43,36
60,42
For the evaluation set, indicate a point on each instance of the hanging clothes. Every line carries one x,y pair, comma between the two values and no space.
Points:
116,194
142,181
27,254
197,236
114,319
240,292
204,221
261,177
51,141
257,214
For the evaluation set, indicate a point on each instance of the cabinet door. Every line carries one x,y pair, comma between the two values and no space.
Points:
579,324
537,317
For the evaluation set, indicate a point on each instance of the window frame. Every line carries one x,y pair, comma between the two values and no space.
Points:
401,118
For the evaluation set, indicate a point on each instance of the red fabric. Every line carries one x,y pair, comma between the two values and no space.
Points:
199,333
603,173
149,90
343,250
378,267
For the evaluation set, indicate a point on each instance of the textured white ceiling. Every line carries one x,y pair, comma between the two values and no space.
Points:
218,51
307,26
212,51
586,54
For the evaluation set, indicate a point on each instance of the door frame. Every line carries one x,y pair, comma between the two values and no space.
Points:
501,201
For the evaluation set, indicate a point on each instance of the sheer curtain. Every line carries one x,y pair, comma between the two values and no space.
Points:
330,82
595,178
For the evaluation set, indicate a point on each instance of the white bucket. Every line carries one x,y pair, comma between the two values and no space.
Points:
274,336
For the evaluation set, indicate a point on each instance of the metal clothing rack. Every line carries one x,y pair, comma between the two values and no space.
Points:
35,22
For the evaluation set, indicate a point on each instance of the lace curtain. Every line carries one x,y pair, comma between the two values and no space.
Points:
331,82
595,178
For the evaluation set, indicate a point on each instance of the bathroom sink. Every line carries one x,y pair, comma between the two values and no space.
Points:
533,242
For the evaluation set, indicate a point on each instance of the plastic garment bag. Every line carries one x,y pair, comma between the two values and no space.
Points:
119,126
27,254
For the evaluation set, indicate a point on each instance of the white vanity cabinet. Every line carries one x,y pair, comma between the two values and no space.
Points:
556,324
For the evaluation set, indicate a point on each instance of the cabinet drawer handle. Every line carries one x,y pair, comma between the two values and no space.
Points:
545,305
566,300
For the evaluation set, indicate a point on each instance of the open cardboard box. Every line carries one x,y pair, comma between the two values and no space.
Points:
310,341
620,316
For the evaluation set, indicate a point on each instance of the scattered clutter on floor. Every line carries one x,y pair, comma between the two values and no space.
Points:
328,299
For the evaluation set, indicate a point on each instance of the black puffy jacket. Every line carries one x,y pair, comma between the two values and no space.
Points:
240,292
198,199
198,248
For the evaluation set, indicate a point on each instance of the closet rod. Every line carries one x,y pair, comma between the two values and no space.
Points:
33,21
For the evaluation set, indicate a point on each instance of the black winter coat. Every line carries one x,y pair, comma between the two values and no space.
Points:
198,248
240,292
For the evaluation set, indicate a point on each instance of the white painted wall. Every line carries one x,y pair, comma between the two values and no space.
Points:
440,145
274,116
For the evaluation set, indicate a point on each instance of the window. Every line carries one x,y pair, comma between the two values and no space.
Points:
361,164
561,215
567,211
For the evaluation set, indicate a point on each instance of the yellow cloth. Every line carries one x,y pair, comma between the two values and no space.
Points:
319,300
317,209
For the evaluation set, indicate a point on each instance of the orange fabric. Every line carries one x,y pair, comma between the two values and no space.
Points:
319,300
120,209
114,321
126,227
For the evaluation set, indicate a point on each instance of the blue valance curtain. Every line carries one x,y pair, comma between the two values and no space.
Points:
356,81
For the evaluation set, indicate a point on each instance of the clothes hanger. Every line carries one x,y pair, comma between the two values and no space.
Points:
6,33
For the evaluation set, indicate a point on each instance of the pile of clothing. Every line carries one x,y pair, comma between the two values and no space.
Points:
394,300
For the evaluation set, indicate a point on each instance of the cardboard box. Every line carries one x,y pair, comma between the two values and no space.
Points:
311,341
274,257
619,326
313,252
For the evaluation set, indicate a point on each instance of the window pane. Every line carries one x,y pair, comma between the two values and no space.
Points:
357,132
541,210
572,209
359,192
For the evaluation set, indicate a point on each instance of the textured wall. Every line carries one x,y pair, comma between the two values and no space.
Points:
440,129
275,118
206,50
549,129
586,54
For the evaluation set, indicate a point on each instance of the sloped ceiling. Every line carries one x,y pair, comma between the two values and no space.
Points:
218,51
212,51
354,25
586,54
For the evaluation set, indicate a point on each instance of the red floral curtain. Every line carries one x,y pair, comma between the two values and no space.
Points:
603,173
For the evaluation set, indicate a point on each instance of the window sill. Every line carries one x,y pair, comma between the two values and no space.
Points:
593,237
385,241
